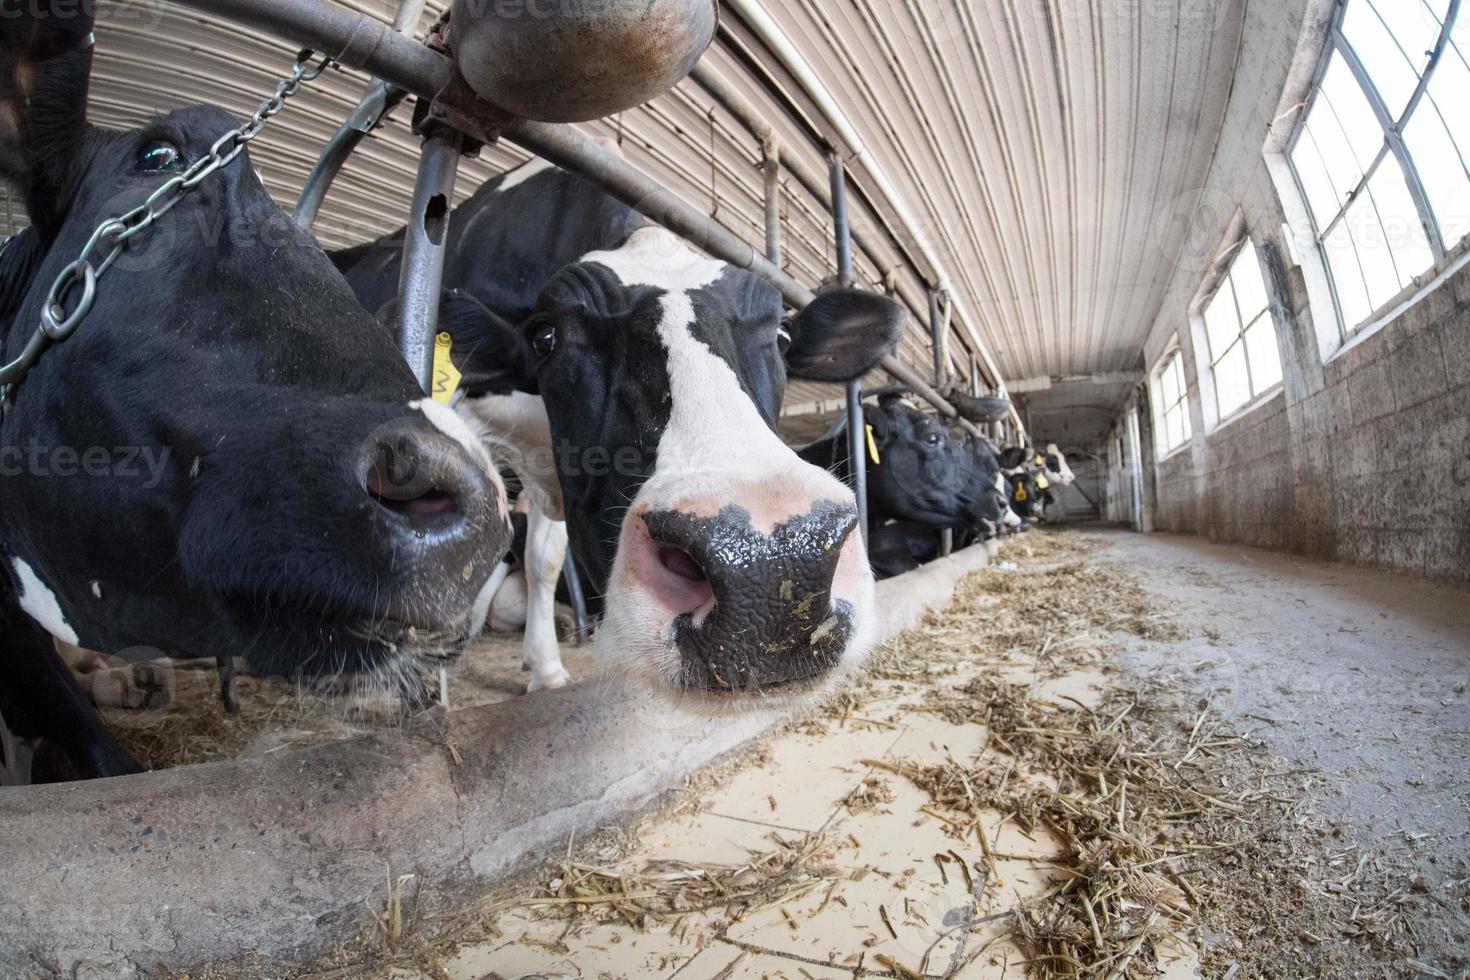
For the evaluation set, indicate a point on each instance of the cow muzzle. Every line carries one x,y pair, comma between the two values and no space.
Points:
440,514
742,605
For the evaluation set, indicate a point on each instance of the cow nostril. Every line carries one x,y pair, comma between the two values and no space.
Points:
419,500
681,563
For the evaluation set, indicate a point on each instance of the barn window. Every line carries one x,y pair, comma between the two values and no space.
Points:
1382,153
1171,395
1244,360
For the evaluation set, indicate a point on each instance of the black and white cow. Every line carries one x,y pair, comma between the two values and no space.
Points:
228,456
651,378
1056,464
922,478
1033,475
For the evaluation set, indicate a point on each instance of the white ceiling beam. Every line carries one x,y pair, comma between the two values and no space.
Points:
1026,386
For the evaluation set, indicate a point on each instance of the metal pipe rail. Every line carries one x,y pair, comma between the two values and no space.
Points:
355,40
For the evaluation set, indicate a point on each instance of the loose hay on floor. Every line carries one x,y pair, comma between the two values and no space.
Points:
1164,830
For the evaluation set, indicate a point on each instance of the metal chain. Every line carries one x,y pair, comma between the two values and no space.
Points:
113,234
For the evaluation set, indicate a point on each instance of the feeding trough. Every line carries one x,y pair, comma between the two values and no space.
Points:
571,61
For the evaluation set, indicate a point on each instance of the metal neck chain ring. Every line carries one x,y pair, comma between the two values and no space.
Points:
111,236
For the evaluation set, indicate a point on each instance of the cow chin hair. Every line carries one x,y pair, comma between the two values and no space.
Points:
784,702
622,654
401,680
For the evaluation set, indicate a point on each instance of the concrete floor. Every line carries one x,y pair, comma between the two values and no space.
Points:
1359,673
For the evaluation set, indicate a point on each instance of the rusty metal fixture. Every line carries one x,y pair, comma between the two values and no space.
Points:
574,60
979,410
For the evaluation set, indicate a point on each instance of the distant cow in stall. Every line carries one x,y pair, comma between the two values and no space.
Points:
637,384
922,478
214,462
1033,475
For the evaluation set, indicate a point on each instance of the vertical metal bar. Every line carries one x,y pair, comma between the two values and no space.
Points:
974,376
772,167
936,342
841,231
856,444
423,251
941,375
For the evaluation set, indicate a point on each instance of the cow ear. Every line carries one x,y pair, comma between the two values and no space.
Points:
842,334
491,354
45,64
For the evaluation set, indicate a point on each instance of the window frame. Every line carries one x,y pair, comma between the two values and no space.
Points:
1238,252
1162,450
1337,45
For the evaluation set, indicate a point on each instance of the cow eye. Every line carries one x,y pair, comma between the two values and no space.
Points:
160,156
542,334
932,438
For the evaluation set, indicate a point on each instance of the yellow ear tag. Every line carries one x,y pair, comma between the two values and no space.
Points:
1042,483
1040,461
1020,494
446,375
873,446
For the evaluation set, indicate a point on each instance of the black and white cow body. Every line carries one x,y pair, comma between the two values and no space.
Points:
228,456
725,564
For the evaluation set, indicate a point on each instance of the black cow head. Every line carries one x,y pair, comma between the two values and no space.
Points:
228,456
727,563
927,473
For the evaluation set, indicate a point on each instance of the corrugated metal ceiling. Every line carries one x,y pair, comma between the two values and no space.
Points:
1042,143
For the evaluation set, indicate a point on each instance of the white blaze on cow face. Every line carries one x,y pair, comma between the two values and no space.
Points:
40,603
1063,473
446,421
717,451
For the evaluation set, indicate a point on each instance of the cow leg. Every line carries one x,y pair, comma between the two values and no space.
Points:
41,699
546,548
228,694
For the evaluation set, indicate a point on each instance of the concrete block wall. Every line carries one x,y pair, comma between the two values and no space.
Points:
1363,454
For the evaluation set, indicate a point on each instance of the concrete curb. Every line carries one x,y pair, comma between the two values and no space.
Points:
285,855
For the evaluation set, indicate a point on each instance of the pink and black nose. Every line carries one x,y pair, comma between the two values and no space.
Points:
753,609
